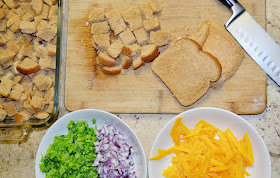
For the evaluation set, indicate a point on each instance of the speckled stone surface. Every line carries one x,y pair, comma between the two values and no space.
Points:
18,160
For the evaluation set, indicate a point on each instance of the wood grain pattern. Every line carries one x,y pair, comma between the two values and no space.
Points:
141,91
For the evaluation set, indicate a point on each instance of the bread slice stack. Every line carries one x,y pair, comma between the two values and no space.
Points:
187,70
214,39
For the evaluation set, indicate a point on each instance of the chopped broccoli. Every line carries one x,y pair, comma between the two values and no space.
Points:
72,155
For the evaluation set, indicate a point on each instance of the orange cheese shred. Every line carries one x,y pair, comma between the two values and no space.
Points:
206,151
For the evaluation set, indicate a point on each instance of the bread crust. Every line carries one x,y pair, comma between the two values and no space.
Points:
106,60
111,70
151,54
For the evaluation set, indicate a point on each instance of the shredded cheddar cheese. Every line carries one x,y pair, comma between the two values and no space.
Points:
206,151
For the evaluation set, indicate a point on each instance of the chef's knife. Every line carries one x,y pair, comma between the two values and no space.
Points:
254,39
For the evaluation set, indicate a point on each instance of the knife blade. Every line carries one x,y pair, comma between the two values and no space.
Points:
254,39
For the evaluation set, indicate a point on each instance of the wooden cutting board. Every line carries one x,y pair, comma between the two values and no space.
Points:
141,91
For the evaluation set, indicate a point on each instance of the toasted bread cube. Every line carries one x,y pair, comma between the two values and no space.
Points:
156,6
135,24
106,60
10,108
47,63
23,8
22,116
3,25
16,92
37,5
29,15
131,50
53,12
11,3
115,49
137,62
101,42
7,36
111,70
27,27
132,16
131,12
12,20
50,2
51,49
37,102
149,53
43,82
117,25
151,24
3,113
45,11
5,87
160,38
141,36
24,39
126,61
13,46
26,50
146,11
15,27
28,66
41,115
96,15
6,55
2,13
112,14
49,95
127,37
47,33
99,28
1,3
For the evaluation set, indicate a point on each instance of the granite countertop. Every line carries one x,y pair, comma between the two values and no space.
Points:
18,160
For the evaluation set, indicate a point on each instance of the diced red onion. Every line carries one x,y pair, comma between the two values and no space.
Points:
114,155
41,43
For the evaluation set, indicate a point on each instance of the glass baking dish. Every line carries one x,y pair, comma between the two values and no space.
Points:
12,131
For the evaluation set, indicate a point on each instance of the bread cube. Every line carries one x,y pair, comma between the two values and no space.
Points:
160,38
151,24
96,15
99,28
101,42
141,36
127,37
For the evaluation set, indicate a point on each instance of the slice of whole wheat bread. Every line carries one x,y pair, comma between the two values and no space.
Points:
187,70
214,39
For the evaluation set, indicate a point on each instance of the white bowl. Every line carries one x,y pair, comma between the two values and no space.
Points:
102,117
222,119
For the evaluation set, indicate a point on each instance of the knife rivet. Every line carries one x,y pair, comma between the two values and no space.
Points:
247,40
278,75
266,59
270,64
275,69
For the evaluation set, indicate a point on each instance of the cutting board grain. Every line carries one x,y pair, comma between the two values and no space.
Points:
141,91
